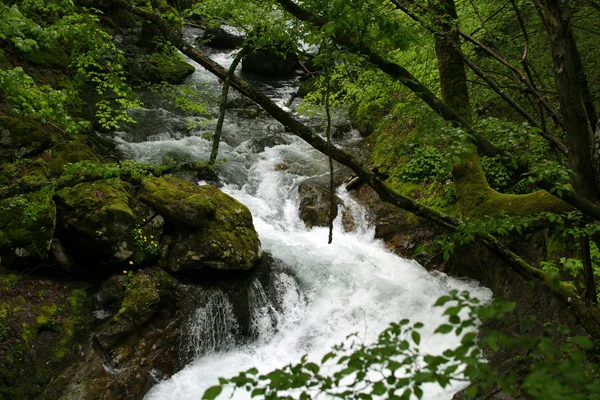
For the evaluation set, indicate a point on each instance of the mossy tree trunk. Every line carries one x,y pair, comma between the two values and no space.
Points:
475,196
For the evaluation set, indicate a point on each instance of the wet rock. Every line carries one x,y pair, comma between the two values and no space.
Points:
20,139
271,62
402,231
238,103
315,203
207,227
156,68
220,38
135,347
103,226
341,128
249,112
308,86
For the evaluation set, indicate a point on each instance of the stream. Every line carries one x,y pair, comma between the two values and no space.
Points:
329,291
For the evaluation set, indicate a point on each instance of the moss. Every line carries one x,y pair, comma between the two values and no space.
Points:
74,150
34,354
183,202
97,197
158,68
20,139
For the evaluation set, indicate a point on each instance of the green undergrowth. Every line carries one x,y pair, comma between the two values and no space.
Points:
419,171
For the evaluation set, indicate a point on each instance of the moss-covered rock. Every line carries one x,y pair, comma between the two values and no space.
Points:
208,228
140,341
181,202
102,225
156,68
20,139
27,225
41,322
142,293
76,148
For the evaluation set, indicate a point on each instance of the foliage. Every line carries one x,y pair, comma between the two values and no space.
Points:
144,241
427,164
93,55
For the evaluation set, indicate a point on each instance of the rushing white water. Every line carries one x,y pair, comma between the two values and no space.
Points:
351,285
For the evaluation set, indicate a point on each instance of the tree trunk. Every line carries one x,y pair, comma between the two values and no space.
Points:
574,97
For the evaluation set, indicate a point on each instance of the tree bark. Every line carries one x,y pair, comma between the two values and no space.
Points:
573,94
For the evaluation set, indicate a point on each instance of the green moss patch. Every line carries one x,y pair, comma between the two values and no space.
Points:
20,139
41,321
99,220
208,227
181,202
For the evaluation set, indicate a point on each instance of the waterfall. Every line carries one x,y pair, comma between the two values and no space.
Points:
326,291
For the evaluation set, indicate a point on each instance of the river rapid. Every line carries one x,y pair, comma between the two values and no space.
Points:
353,285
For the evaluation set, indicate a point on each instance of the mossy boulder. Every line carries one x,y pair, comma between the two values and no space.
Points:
207,227
140,341
41,324
76,148
27,225
142,292
220,38
20,139
156,68
105,228
272,61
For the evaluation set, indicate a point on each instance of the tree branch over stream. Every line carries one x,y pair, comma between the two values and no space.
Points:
588,316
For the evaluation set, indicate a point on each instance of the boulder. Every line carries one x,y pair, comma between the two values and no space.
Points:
315,204
41,320
21,139
271,61
104,228
156,68
26,228
249,112
308,86
207,227
137,343
220,38
402,231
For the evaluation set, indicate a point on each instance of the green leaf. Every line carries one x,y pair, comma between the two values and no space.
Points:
472,391
212,392
444,328
379,388
416,337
